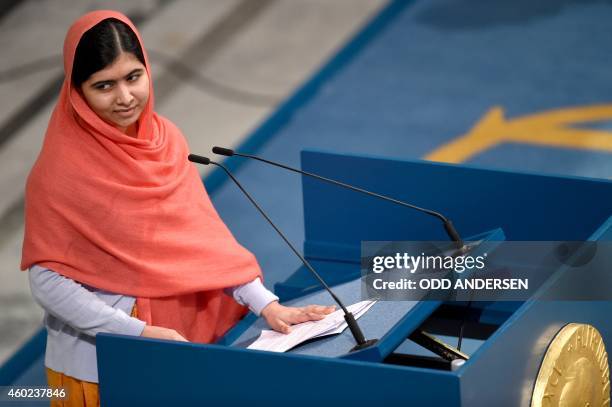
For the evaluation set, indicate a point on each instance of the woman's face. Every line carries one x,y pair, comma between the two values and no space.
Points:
119,92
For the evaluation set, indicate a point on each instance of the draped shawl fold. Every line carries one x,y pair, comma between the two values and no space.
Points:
130,215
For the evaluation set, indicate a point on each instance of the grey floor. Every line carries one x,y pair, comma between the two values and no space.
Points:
220,68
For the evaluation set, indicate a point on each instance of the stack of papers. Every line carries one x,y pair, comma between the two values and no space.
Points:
333,323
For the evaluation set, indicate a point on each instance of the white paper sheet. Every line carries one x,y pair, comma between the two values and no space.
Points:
333,323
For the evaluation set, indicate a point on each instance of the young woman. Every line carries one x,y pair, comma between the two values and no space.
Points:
120,235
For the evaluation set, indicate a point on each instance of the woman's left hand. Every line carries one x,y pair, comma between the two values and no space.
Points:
280,318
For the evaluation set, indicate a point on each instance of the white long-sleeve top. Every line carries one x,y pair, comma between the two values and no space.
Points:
75,313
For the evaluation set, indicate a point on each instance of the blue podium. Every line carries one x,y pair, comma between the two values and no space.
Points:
510,337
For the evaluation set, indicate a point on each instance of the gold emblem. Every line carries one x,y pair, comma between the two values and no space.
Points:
575,371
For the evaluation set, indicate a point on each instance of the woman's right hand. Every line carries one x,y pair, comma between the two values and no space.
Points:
159,332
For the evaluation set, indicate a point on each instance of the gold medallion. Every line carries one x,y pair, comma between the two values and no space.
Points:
575,371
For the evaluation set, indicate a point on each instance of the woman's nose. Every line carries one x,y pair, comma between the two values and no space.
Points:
124,95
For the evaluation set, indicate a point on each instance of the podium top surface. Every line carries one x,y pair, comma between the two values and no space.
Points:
388,321
377,322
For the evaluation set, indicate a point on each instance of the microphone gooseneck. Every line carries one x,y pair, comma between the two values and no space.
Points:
448,225
362,343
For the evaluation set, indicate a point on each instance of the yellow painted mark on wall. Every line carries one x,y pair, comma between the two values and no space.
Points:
550,128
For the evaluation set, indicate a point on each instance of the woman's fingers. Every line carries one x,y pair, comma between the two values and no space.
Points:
303,316
179,337
159,332
309,313
280,318
319,309
282,327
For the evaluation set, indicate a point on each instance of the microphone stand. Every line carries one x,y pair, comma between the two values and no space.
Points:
460,247
448,225
362,343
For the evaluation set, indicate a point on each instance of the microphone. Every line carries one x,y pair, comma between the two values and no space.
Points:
362,343
448,225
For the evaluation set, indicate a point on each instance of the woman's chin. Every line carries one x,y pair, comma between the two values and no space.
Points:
124,124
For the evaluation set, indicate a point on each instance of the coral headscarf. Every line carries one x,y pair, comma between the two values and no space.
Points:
130,214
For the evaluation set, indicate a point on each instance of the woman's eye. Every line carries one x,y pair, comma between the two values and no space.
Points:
103,86
133,78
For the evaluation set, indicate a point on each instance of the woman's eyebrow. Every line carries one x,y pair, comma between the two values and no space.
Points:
111,81
135,71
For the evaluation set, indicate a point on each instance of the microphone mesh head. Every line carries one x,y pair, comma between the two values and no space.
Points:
198,159
223,151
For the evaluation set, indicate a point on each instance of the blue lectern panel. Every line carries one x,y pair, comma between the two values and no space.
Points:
526,206
144,372
513,354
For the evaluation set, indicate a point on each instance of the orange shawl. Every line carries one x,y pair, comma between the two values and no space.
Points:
130,215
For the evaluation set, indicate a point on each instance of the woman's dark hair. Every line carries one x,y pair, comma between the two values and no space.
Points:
100,46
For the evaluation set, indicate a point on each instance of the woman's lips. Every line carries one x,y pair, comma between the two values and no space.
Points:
126,113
